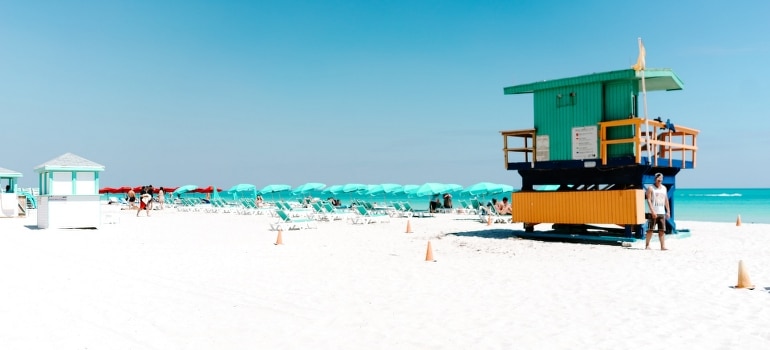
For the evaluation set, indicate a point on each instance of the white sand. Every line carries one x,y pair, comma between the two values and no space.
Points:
181,280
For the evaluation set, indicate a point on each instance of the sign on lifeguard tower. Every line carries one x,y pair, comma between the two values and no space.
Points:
584,142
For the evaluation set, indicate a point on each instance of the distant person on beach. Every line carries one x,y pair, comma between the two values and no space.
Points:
151,202
131,196
434,203
503,207
144,200
259,201
447,201
657,199
161,198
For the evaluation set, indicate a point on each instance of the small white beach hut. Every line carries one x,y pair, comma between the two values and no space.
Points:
69,193
9,202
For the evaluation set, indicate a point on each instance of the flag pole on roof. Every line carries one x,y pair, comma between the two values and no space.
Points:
639,66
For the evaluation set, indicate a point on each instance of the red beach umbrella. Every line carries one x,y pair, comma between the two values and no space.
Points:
107,190
209,189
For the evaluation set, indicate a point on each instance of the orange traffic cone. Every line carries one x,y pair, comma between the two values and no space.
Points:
408,227
279,239
429,253
738,222
743,277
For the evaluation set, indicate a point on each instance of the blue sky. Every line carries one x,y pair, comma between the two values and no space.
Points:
224,92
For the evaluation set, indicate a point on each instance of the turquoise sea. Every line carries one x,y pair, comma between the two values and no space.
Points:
715,204
723,204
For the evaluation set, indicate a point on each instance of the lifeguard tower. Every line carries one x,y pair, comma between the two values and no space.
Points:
585,164
9,203
69,193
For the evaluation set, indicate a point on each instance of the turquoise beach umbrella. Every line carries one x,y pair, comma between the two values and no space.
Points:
308,187
335,189
431,188
275,188
272,189
410,189
243,190
453,188
487,188
384,188
354,188
183,189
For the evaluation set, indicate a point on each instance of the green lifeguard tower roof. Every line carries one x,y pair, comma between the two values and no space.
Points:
656,79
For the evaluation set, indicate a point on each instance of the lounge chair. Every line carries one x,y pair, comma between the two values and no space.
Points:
487,213
418,213
319,213
334,213
399,211
291,223
246,207
466,207
367,217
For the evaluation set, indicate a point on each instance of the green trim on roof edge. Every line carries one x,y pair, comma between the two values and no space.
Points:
655,79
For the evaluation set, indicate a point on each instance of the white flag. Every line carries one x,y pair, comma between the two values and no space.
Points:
640,60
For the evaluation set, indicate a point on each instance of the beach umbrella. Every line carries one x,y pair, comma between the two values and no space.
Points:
334,189
487,188
242,188
349,188
410,189
275,188
453,188
308,187
209,189
184,189
354,188
430,188
483,188
384,188
108,190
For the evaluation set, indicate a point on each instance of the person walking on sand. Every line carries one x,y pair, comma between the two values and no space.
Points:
150,203
131,195
161,198
144,200
657,199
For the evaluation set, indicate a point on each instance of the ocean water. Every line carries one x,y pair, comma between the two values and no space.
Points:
717,205
723,204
